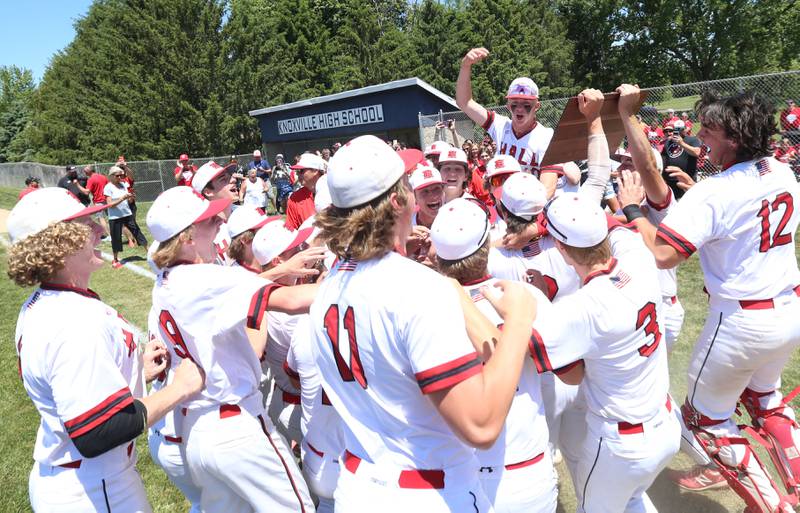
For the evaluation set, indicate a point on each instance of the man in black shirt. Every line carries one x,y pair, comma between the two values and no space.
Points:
77,186
680,152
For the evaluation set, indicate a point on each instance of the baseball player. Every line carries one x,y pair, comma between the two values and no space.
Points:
497,172
403,450
323,432
215,182
517,474
79,363
214,315
435,149
522,136
456,174
614,349
428,188
742,222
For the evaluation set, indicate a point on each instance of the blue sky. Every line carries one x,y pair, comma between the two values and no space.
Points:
33,30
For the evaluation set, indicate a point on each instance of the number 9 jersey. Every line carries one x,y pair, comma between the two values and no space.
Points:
742,221
385,332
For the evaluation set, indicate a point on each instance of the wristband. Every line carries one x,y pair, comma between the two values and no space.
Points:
632,212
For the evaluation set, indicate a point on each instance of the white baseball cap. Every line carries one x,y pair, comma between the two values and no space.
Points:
523,195
247,218
460,229
362,170
43,207
453,155
436,148
177,208
274,239
424,176
679,124
257,153
322,195
502,165
310,161
205,174
576,221
523,88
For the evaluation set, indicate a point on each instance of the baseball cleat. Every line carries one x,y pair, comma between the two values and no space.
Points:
698,479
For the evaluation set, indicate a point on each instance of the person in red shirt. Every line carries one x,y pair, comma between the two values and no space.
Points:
184,171
96,183
300,206
687,123
790,117
476,185
670,119
655,135
31,184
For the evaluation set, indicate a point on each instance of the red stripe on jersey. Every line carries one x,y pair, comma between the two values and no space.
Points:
89,420
539,352
289,371
448,374
489,120
565,369
674,239
559,170
258,305
325,399
67,288
661,206
611,265
552,286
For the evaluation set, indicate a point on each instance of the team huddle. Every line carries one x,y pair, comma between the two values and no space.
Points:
418,349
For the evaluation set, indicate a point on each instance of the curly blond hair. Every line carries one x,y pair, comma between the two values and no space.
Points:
37,257
365,231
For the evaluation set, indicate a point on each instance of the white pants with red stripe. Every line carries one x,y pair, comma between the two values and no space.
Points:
240,462
322,473
285,415
616,469
169,456
367,492
532,489
114,486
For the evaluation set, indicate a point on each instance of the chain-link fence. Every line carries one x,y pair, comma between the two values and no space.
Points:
656,112
151,177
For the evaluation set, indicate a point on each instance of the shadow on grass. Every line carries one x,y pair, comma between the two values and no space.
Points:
668,498
133,258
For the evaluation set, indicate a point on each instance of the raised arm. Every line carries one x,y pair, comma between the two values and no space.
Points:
590,102
470,107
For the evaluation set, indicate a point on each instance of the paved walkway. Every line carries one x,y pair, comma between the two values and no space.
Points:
3,216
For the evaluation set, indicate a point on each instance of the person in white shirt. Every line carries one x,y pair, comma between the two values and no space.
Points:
119,213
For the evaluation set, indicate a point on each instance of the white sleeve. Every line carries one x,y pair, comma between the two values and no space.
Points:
562,336
692,221
599,172
495,124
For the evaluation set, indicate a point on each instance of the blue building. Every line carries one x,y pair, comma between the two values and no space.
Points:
390,111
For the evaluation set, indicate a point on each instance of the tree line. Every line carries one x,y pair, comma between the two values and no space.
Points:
154,78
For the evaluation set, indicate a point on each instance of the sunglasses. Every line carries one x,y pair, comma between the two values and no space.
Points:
499,180
527,106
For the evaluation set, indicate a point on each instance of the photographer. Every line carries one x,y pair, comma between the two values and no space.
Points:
679,152
77,186
450,125
261,165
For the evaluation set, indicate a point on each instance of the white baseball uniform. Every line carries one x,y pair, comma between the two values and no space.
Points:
742,222
283,405
163,438
323,432
372,333
528,148
221,243
79,364
611,324
517,473
233,451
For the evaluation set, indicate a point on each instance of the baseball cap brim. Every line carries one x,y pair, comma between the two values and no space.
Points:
618,156
301,237
411,157
87,211
297,167
428,184
214,208
521,97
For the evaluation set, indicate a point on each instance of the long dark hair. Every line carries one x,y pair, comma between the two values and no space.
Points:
747,119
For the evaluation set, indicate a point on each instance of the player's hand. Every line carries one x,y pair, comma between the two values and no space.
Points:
535,278
517,241
439,125
474,56
685,182
628,98
590,101
631,191
515,304
301,264
155,359
189,378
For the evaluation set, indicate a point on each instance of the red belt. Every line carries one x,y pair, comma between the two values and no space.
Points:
673,299
229,410
168,438
72,464
315,450
413,479
288,397
626,428
527,463
762,304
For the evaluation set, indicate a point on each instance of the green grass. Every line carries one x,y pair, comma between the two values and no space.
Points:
685,103
130,294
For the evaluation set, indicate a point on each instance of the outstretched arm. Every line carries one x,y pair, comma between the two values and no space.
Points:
590,102
470,107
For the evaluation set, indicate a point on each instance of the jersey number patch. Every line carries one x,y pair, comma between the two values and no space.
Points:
647,318
768,240
355,371
170,327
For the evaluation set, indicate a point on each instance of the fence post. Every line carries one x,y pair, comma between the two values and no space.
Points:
421,131
160,176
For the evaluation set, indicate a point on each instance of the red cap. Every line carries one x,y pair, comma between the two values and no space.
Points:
411,157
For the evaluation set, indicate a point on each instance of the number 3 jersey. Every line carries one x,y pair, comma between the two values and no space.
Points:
742,221
386,332
612,324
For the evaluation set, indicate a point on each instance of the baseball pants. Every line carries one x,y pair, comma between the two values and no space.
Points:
321,471
671,315
532,489
109,482
169,456
618,465
238,460
557,397
372,488
285,412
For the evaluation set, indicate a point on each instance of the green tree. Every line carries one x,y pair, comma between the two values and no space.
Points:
16,88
